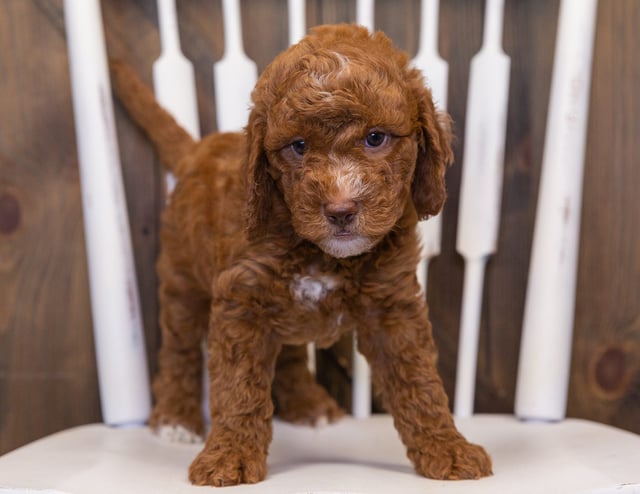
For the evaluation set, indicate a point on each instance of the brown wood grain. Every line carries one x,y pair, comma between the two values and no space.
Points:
605,373
47,372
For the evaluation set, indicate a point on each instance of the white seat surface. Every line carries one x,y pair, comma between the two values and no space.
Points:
352,456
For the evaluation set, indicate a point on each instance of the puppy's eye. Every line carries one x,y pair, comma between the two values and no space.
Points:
298,147
375,139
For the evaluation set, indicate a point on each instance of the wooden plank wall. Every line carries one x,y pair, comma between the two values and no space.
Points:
47,372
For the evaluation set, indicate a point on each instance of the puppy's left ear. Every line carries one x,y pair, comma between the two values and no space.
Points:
261,187
428,188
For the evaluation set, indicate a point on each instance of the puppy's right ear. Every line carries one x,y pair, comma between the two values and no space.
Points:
434,153
261,187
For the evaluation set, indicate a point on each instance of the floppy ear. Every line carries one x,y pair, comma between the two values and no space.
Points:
261,187
428,189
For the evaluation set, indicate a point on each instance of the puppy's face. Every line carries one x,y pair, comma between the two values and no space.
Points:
345,196
339,125
343,160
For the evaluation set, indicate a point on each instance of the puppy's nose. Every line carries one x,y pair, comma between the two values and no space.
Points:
341,213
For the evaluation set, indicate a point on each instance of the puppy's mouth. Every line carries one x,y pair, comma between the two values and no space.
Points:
344,243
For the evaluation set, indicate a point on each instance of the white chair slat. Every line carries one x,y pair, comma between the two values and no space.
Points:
480,190
297,20
234,75
173,75
545,356
117,319
365,13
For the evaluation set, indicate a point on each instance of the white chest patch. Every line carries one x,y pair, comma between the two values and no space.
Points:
312,288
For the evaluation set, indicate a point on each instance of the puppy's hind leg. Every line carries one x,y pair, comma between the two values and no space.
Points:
177,388
297,395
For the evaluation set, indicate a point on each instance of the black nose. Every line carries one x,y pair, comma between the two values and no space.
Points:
341,213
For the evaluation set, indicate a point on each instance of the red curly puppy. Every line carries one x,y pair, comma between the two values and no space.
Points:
343,154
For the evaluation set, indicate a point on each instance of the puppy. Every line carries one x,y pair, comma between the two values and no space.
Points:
302,228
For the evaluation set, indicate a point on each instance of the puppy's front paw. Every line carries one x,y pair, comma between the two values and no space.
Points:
452,460
221,467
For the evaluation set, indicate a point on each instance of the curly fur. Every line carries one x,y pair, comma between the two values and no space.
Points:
302,229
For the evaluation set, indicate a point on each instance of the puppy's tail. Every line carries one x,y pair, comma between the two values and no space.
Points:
170,139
